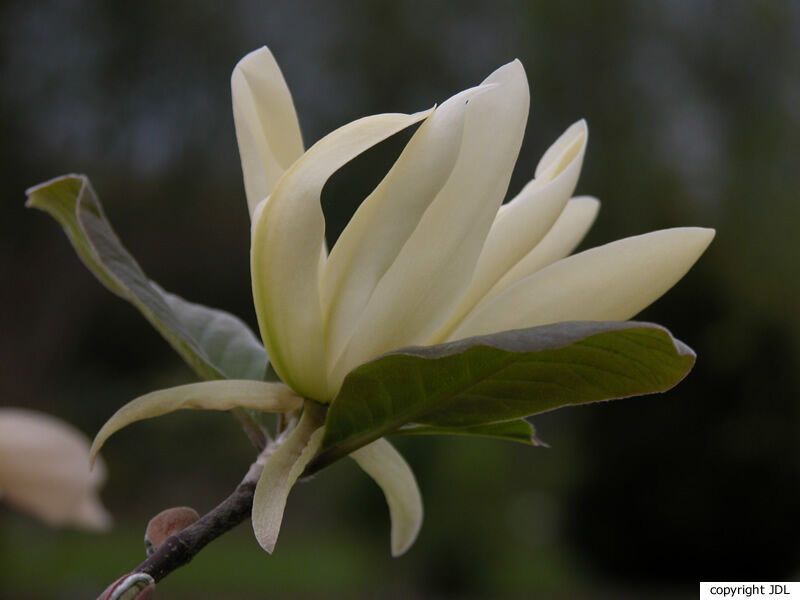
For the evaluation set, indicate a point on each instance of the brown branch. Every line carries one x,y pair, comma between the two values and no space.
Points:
182,547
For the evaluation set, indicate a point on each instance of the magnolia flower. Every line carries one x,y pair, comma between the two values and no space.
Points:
432,254
44,470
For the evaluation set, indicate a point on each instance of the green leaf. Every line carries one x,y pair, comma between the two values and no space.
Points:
214,343
518,430
227,341
501,377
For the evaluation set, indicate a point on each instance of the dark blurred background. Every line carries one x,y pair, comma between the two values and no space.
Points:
694,114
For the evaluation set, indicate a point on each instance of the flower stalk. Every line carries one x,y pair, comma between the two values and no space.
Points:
180,548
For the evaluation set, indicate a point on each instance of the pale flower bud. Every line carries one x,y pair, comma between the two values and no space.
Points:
44,470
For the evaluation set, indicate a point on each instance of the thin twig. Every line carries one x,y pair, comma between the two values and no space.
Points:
255,433
280,424
181,547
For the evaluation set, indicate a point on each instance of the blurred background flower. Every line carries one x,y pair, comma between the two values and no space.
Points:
694,111
44,470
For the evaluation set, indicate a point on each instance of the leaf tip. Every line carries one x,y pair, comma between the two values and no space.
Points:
35,189
535,441
685,350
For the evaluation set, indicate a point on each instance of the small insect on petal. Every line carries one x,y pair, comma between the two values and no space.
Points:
166,523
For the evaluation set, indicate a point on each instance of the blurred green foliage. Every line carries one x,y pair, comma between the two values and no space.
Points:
693,109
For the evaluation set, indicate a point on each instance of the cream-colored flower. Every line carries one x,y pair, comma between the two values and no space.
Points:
431,254
44,470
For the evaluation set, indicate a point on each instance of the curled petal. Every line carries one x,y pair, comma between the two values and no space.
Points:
423,284
44,470
206,395
564,236
288,249
281,470
391,472
562,152
523,222
266,124
608,283
388,216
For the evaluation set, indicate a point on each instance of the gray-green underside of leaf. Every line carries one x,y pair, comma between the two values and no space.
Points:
216,344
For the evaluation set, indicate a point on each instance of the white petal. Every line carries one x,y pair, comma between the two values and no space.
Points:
288,249
391,472
423,284
560,152
385,220
44,469
564,236
611,282
281,470
266,123
524,221
207,395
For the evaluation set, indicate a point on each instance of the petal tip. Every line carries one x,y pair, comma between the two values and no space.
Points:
255,55
589,204
709,231
511,72
401,544
95,448
703,236
582,126
516,67
579,129
267,545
